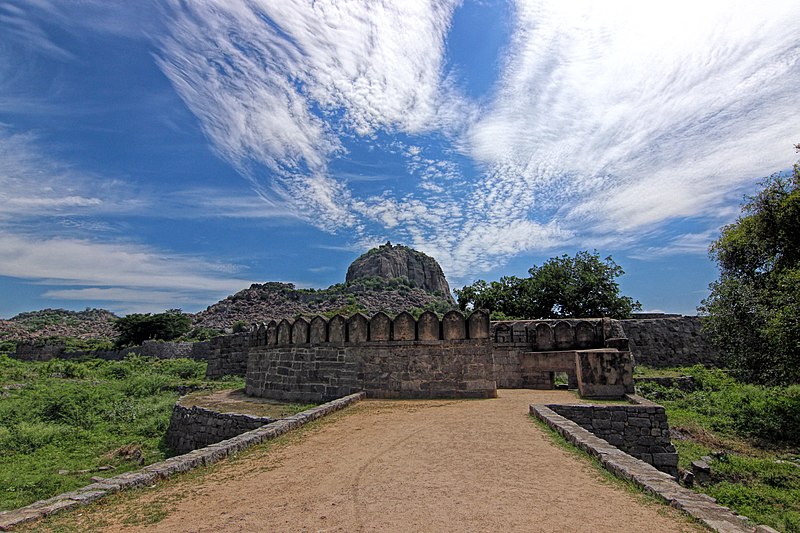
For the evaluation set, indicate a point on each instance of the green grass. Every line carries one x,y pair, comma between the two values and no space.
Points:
753,435
78,416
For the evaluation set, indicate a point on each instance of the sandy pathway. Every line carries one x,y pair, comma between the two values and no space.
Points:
478,465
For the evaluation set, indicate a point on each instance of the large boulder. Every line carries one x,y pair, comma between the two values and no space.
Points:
396,261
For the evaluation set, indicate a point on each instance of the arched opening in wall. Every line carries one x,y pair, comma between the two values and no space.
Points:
561,380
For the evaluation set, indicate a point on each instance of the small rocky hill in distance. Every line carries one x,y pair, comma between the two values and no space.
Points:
390,278
401,262
49,323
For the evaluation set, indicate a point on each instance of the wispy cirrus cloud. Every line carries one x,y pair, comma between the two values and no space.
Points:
623,115
279,85
607,121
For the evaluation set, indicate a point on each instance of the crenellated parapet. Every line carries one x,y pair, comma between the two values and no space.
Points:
359,328
402,357
555,335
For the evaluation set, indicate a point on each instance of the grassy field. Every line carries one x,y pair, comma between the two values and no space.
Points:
752,434
63,422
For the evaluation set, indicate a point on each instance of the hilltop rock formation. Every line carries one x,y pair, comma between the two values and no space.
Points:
391,262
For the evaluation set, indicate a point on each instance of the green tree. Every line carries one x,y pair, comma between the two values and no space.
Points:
137,327
753,311
580,286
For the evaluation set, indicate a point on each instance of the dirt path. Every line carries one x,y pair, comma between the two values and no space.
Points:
479,465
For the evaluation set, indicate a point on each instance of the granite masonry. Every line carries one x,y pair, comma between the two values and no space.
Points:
195,427
387,358
639,429
669,340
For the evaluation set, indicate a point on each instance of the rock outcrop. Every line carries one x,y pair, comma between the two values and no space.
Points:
396,261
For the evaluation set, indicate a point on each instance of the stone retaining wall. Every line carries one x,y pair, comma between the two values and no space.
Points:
668,342
195,427
47,350
387,358
639,430
701,506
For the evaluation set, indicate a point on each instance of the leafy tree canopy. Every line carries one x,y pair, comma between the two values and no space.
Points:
136,328
580,286
753,311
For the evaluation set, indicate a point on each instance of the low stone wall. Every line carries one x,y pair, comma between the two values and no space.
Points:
701,506
639,430
195,427
47,350
668,342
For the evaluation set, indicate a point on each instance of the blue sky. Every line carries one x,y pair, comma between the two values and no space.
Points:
162,154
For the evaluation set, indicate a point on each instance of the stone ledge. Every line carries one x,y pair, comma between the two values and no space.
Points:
703,508
169,467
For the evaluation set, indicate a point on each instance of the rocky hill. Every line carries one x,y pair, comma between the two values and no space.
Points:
393,262
261,302
47,323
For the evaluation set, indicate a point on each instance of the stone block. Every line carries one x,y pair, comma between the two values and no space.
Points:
478,325
337,327
318,330
404,327
428,328
545,340
604,373
380,327
454,326
357,328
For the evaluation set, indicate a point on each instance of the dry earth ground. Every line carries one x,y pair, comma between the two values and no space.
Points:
446,465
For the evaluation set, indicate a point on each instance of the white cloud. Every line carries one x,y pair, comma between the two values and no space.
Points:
277,83
622,115
83,262
608,119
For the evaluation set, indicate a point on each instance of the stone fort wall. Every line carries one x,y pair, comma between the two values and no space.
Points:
669,341
659,341
527,353
318,359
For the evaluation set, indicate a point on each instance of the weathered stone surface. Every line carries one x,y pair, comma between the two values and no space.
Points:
428,327
380,327
454,326
300,331
478,325
357,326
397,261
284,332
669,341
404,327
337,329
564,336
604,373
194,427
383,369
318,330
545,339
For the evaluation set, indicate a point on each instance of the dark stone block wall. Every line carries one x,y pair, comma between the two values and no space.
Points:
401,358
194,427
639,430
667,342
